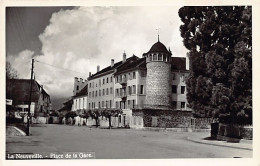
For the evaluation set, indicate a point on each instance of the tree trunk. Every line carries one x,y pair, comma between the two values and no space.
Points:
109,119
96,122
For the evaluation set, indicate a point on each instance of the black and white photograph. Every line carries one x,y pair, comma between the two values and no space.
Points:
128,82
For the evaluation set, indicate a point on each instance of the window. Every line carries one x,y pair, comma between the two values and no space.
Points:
111,79
134,89
93,93
102,104
106,104
89,105
110,103
133,75
150,57
182,89
129,90
77,87
99,82
154,57
107,91
130,76
160,57
128,103
120,78
174,89
103,92
96,94
98,104
117,79
89,85
143,74
111,90
117,91
133,104
99,92
116,104
141,89
89,94
107,79
182,104
119,118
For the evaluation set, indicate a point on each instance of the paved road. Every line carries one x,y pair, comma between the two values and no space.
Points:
118,143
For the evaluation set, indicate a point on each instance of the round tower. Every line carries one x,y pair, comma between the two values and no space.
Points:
158,80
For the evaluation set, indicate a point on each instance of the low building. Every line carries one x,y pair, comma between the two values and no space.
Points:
18,90
80,99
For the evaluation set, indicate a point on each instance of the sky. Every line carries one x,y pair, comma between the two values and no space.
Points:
80,38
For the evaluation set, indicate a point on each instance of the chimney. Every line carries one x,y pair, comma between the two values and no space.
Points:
98,67
89,74
124,57
112,62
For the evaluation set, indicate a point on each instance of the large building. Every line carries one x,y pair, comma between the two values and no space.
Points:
155,81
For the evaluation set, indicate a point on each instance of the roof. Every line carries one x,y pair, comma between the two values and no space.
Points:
82,92
107,69
158,47
178,63
19,91
132,62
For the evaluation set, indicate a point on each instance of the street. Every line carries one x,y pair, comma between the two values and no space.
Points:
118,143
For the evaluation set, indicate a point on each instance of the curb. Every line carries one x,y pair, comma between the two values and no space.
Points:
207,143
21,133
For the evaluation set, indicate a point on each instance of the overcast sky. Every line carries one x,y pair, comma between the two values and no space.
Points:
80,38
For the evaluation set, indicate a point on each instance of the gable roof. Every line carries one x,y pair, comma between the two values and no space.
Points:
107,69
133,62
19,91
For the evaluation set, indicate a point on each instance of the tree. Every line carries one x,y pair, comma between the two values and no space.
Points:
219,40
11,73
95,114
108,113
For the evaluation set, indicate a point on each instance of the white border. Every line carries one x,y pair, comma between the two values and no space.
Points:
127,162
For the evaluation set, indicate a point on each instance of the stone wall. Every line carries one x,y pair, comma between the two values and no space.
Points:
165,118
203,123
158,84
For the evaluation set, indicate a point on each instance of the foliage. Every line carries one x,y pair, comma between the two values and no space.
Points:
11,73
108,113
71,114
219,40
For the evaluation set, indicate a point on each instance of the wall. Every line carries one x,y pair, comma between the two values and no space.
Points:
80,102
81,83
95,85
158,84
178,79
165,119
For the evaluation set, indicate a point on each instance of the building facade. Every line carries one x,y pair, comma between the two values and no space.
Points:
154,81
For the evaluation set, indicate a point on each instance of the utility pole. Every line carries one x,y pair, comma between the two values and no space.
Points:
29,106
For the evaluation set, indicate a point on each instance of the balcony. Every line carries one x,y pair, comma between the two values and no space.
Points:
123,82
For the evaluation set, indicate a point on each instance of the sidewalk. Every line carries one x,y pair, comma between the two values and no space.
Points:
204,139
